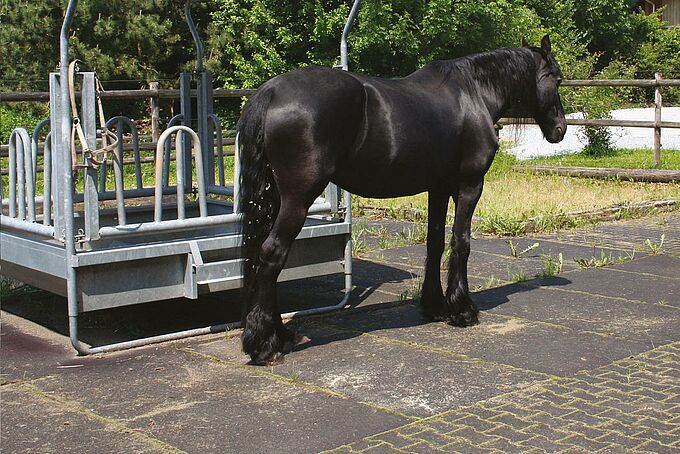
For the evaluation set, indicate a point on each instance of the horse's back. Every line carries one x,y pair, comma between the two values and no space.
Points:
313,111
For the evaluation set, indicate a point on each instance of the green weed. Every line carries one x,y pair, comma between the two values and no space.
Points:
655,248
517,254
552,266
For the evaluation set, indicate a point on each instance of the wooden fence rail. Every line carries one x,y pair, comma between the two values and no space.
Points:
154,94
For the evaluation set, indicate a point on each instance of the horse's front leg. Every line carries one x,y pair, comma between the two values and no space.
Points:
432,295
461,310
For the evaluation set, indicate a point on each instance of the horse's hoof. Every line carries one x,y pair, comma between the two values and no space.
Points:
465,318
272,360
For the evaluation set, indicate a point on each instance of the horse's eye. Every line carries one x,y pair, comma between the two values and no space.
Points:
559,81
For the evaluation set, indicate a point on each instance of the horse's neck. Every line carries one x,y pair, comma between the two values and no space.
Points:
501,78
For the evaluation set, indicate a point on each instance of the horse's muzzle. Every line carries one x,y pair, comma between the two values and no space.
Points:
557,134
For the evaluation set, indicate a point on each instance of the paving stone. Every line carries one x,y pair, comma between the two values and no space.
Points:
389,374
29,351
649,289
658,265
649,324
32,423
571,429
511,341
188,401
473,436
611,351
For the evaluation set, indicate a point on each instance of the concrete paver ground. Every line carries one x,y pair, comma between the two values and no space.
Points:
587,360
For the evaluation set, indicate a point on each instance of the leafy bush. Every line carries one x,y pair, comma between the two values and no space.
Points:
598,102
23,115
660,54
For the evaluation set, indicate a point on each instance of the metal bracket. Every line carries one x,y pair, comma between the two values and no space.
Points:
194,260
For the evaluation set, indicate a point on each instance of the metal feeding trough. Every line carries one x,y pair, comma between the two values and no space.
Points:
68,230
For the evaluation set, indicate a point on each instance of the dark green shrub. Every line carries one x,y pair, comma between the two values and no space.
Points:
20,115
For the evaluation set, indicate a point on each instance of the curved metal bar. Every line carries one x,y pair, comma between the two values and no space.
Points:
20,146
345,33
12,176
194,34
119,120
177,119
34,144
196,145
237,174
47,178
220,147
29,169
180,174
118,169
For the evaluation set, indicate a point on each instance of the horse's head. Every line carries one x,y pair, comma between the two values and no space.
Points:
547,109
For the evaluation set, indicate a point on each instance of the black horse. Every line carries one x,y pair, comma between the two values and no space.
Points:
430,131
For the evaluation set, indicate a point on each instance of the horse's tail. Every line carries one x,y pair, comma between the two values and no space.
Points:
259,196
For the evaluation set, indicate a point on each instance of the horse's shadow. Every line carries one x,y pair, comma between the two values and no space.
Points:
394,314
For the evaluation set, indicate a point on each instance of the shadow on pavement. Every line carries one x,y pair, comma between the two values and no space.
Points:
151,319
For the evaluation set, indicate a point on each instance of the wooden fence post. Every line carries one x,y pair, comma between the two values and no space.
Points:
155,113
657,120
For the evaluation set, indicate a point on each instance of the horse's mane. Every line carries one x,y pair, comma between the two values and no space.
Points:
512,72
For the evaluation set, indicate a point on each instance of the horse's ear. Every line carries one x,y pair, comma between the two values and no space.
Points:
524,42
545,44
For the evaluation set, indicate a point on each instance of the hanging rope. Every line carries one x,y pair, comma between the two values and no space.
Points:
109,140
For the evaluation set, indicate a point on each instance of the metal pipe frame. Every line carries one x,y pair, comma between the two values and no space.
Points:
344,62
215,121
47,179
63,147
88,109
166,157
194,34
65,200
200,180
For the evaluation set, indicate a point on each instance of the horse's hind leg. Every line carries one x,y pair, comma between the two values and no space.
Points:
432,295
264,337
461,310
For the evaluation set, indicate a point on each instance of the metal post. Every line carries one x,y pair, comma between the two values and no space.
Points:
204,124
217,127
47,175
658,102
63,150
194,34
348,196
89,119
184,166
203,101
57,165
345,33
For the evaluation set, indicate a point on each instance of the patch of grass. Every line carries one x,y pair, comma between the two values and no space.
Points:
294,377
11,287
359,246
414,290
552,266
519,276
490,282
594,262
514,203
